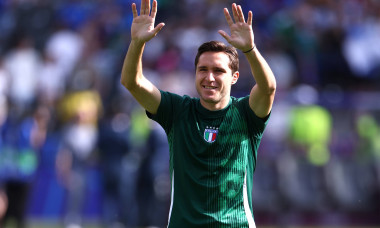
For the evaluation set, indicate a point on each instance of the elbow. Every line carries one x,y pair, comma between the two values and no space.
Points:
128,85
271,89
131,81
273,86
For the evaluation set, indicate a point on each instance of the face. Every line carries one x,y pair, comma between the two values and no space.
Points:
214,79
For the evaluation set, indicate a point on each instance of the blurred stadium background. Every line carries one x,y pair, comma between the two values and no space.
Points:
75,149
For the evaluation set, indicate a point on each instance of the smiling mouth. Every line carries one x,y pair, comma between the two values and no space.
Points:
209,87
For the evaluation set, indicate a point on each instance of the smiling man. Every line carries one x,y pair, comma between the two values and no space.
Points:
215,75
213,139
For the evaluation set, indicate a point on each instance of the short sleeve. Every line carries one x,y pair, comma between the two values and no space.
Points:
167,110
256,124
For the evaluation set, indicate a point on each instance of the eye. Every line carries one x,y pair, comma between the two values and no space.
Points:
220,70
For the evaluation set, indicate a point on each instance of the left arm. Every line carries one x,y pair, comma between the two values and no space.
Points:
242,37
262,94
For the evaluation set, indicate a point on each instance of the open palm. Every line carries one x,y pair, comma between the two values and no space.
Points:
241,32
143,29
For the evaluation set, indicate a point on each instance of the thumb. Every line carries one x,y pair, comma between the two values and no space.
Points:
225,35
158,28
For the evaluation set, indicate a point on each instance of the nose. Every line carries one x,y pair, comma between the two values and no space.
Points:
210,76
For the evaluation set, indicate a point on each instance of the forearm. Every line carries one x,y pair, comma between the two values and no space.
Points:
262,94
146,94
131,74
263,75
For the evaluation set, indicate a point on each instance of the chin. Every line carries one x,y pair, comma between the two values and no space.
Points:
208,99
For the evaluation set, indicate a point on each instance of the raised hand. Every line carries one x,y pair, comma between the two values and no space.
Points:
143,29
241,31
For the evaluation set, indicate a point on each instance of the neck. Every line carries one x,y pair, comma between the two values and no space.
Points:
215,106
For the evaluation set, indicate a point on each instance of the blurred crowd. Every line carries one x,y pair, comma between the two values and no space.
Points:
69,131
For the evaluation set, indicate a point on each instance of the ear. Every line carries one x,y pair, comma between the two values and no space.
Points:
235,77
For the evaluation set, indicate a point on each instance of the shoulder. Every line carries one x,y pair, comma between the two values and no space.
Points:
176,99
242,104
176,104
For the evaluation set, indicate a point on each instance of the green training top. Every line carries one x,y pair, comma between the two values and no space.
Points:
212,160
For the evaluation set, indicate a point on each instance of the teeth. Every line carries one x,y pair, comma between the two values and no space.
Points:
209,87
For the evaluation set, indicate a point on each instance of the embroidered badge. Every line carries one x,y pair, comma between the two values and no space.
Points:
210,134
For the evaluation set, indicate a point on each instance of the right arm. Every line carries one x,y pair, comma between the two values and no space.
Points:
132,78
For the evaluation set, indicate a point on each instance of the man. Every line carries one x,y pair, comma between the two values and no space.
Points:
213,139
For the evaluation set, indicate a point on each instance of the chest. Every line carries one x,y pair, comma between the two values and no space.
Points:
211,137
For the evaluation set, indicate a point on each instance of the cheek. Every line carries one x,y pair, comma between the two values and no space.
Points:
199,77
226,82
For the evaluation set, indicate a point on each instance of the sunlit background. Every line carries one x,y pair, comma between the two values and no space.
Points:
77,151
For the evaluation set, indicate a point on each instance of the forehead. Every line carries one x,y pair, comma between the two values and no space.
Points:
219,59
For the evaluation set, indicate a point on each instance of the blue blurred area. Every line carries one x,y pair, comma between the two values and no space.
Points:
75,146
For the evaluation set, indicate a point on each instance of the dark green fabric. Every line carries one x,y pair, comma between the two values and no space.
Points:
209,176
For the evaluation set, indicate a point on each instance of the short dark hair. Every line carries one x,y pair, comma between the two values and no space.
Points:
217,46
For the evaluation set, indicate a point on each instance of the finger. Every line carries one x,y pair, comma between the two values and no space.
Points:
228,17
147,8
240,14
142,7
154,9
235,13
134,10
225,35
249,20
158,28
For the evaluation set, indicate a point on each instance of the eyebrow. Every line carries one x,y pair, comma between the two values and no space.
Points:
214,68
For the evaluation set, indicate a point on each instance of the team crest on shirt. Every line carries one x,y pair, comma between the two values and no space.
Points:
210,134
